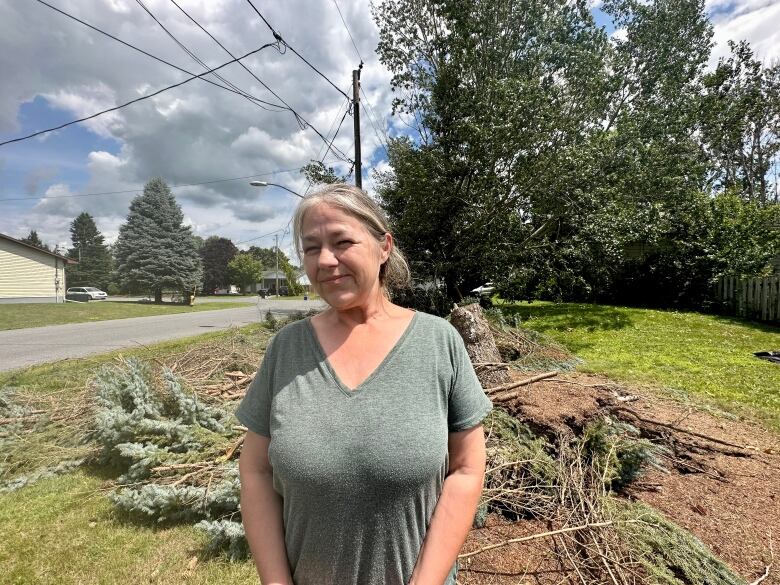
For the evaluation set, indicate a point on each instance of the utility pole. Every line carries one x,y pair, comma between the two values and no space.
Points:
356,122
276,274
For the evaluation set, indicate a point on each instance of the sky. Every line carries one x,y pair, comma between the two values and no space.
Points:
55,70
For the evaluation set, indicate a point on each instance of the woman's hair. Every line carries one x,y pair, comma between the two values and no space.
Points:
394,273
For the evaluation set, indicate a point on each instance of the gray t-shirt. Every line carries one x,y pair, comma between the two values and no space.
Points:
360,471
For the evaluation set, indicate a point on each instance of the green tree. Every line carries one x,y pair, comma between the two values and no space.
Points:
89,248
318,174
268,258
33,239
215,254
244,270
741,122
154,251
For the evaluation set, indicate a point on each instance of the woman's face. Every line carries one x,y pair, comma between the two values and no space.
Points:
341,258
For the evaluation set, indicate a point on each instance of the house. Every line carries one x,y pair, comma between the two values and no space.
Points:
29,274
269,281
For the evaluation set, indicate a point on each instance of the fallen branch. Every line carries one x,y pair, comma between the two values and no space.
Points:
771,562
686,431
541,535
518,383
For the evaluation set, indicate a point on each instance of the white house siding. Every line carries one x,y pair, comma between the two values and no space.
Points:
29,276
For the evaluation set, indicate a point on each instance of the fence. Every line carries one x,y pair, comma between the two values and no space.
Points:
752,298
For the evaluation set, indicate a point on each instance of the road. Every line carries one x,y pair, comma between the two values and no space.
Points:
20,348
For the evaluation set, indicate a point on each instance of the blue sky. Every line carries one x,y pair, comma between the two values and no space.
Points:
56,70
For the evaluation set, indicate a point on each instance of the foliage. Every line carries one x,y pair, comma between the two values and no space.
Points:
155,251
244,270
225,536
318,174
215,254
741,122
563,165
33,239
89,248
269,258
669,554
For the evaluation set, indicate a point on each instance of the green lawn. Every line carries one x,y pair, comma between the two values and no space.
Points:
18,316
704,356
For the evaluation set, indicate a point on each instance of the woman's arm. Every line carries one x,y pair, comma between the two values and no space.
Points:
261,511
454,513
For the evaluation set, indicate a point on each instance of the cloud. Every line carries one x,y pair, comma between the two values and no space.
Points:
752,20
35,177
197,132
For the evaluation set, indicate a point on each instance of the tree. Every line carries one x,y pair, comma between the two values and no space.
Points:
268,258
89,248
154,251
504,98
741,122
34,240
244,270
215,254
317,173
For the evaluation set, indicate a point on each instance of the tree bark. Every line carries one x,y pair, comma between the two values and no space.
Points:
158,295
480,344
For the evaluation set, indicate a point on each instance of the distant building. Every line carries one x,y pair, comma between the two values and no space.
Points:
29,274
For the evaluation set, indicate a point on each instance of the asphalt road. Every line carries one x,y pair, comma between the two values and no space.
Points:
20,348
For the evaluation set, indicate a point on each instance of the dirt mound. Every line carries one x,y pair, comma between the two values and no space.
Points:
720,480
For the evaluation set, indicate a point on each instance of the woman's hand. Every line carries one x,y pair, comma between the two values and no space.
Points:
454,513
261,510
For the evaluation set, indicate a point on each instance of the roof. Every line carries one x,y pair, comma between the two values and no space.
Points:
37,249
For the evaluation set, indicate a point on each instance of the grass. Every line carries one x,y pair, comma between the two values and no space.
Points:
703,356
63,530
19,316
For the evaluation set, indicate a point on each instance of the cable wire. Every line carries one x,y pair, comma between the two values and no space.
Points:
279,38
303,123
184,48
156,58
210,182
344,22
136,100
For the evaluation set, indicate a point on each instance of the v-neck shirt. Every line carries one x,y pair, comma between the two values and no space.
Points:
360,470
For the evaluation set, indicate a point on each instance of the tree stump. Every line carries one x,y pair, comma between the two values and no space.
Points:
480,345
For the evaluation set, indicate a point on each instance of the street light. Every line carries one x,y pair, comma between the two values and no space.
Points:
267,184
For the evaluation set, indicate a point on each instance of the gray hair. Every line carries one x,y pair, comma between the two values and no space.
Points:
394,273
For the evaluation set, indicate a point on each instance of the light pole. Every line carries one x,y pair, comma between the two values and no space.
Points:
276,237
267,184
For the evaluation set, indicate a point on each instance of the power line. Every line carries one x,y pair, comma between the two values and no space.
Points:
344,22
301,120
143,97
263,236
279,38
194,56
265,174
156,58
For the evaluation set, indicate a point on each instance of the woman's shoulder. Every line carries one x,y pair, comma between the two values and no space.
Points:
436,326
291,334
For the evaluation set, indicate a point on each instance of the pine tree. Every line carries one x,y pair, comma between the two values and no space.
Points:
90,249
34,240
155,251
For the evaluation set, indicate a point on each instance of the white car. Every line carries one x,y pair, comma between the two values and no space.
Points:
484,290
94,293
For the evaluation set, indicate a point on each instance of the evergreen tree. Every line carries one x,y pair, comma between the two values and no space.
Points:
34,240
154,251
89,248
216,253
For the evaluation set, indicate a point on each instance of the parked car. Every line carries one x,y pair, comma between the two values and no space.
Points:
93,293
484,290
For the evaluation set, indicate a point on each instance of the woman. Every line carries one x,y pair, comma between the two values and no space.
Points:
365,456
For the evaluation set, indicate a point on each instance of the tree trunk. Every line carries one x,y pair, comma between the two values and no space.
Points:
480,345
158,295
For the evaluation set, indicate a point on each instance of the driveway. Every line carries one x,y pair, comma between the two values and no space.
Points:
20,348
